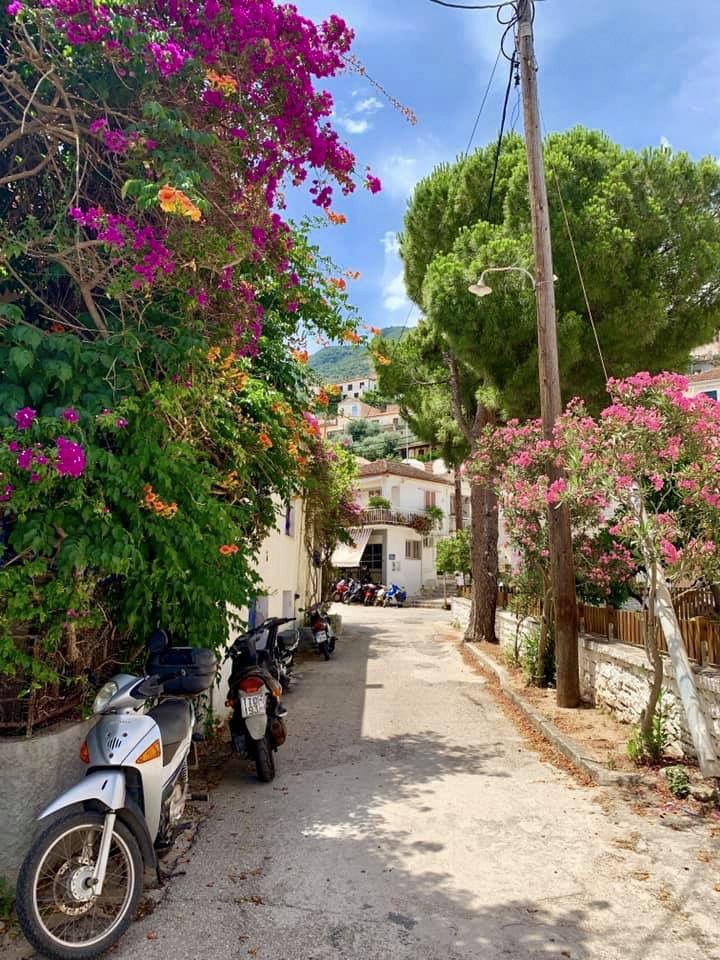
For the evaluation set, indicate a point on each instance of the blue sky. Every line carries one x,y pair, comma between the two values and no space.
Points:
644,71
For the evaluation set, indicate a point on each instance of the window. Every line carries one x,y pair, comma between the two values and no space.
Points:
412,549
429,498
429,540
362,384
375,493
290,521
713,394
349,386
354,409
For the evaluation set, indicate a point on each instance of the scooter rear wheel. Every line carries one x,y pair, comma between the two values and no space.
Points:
57,911
264,759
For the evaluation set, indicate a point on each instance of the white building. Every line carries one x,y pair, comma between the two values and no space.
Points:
289,581
394,545
707,382
357,387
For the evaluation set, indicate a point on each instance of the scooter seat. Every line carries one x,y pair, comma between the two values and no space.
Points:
173,717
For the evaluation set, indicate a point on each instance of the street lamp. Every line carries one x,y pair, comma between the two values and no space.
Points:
481,289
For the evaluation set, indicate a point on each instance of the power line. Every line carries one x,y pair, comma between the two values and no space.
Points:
500,137
581,276
472,6
484,101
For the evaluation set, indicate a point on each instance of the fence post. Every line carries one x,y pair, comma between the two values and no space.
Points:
702,641
610,623
581,618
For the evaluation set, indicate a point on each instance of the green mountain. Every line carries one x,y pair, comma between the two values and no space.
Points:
347,362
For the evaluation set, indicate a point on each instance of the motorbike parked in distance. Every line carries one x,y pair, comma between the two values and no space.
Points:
81,882
257,725
370,591
354,593
394,596
322,630
340,589
276,651
380,595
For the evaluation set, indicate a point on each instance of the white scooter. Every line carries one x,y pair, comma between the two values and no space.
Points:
81,881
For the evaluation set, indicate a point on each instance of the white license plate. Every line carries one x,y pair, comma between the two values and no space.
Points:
252,706
321,636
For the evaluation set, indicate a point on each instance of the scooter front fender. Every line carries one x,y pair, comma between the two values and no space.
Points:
105,786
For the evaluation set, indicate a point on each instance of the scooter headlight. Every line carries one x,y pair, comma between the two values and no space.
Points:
104,696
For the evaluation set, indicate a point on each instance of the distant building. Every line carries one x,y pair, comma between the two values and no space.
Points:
707,382
705,358
398,544
357,387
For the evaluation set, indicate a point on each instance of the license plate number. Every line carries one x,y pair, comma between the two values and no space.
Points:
253,705
321,636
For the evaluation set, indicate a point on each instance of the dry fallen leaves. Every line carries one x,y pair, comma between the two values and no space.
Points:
153,936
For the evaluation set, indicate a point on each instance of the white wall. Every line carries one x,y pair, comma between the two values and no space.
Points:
405,573
285,569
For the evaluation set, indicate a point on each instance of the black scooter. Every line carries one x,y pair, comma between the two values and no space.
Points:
257,725
322,631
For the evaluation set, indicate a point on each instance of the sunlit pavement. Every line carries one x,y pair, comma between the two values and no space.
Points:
408,820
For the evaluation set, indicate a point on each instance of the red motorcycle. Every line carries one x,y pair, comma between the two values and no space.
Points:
340,589
370,592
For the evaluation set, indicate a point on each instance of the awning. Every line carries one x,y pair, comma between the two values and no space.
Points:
349,555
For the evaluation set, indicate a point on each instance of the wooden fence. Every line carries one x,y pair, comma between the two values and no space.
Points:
696,614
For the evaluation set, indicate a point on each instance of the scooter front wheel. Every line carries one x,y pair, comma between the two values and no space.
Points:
57,909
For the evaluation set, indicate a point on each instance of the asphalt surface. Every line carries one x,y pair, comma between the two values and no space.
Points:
410,820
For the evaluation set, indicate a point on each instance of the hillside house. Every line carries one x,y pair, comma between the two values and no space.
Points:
707,382
398,545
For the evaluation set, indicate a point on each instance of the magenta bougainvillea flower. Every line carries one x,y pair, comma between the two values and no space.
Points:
71,415
25,459
71,460
24,418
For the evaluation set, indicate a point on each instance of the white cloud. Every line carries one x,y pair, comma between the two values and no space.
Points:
400,172
350,125
394,298
369,105
391,243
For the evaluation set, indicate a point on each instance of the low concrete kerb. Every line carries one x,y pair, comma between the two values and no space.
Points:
561,741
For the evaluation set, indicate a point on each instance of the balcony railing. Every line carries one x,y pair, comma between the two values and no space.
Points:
394,518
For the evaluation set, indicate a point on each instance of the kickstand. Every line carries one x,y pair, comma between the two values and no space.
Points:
195,765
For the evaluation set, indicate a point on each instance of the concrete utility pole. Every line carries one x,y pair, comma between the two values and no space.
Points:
560,536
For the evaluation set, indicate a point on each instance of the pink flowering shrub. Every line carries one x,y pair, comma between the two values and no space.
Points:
641,481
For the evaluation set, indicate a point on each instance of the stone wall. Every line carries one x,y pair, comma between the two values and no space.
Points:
34,772
617,676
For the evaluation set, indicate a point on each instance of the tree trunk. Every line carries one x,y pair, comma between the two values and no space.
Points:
484,557
715,588
458,503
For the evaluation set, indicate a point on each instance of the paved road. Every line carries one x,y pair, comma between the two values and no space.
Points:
408,820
